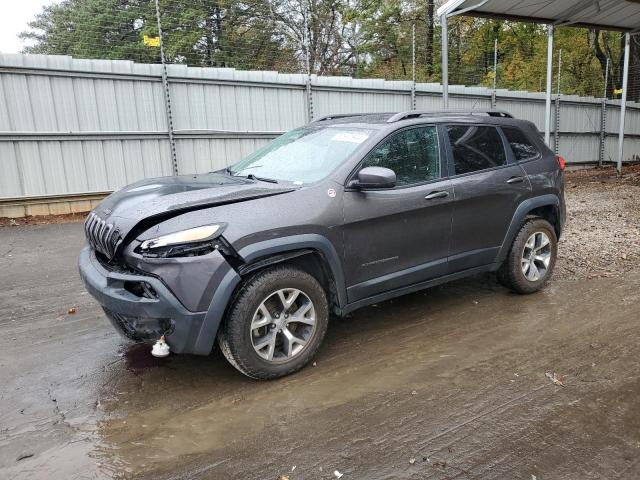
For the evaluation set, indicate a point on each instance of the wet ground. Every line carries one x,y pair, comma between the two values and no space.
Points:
443,384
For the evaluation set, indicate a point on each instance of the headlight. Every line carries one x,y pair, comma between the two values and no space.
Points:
192,241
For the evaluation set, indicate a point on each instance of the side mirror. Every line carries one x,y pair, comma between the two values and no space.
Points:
374,177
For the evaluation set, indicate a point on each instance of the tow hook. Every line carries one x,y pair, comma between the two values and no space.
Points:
160,349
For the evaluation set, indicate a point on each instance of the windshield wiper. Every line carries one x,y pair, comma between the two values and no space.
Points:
251,176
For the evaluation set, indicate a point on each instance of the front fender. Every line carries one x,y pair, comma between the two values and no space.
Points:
312,241
221,298
224,293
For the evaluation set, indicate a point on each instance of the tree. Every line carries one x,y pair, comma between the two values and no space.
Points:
366,38
321,32
110,29
195,32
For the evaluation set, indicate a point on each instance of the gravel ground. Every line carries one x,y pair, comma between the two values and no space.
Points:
602,236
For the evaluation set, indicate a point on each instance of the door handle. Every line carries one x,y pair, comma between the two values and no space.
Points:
435,195
513,180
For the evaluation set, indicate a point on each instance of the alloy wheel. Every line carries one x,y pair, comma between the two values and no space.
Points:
536,256
282,325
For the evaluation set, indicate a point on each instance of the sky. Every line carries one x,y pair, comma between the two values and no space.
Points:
13,20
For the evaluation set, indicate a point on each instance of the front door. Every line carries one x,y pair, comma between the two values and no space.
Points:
488,188
398,237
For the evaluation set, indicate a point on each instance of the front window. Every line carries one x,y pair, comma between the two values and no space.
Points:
305,155
413,155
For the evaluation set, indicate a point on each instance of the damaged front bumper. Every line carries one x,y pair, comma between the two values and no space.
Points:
142,308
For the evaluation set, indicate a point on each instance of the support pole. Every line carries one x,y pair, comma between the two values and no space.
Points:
413,73
623,107
445,61
606,80
307,48
603,119
495,75
559,70
603,133
556,128
495,65
167,96
547,120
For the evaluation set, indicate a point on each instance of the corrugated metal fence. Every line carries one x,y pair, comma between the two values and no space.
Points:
72,127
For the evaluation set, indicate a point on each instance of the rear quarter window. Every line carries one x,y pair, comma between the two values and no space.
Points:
523,148
476,148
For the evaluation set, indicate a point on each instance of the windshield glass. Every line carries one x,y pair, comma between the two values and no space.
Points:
305,155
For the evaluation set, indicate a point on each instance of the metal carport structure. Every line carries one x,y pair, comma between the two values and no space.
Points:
620,15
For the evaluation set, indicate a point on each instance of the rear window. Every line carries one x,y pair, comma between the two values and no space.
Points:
476,148
523,148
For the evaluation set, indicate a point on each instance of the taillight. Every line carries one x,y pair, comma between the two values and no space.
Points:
561,161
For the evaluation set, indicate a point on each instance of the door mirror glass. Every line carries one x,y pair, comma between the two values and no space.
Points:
375,177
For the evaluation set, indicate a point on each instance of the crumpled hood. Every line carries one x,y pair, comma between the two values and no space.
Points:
111,221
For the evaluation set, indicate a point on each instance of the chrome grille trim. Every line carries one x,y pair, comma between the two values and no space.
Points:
102,236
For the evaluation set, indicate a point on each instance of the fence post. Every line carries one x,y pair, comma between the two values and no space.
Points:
309,99
307,48
556,130
413,53
167,96
495,74
603,133
603,118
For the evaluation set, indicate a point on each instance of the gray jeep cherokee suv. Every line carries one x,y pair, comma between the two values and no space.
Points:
344,212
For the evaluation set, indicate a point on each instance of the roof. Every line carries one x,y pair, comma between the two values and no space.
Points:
604,14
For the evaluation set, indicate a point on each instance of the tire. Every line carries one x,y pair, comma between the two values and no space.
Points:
263,298
518,275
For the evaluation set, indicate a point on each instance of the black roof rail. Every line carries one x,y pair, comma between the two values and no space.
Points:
446,113
343,115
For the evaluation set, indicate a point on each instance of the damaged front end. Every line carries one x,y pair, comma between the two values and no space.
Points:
171,284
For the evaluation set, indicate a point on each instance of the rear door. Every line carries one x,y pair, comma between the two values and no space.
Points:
400,236
488,187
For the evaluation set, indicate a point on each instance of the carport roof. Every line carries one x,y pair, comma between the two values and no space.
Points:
604,14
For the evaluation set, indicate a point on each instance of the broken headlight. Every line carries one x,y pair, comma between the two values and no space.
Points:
186,243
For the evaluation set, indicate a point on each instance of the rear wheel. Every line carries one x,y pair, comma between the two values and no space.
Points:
531,259
276,323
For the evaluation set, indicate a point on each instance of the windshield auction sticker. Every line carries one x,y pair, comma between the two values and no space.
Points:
351,137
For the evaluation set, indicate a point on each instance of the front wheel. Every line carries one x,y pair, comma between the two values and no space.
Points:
531,259
276,323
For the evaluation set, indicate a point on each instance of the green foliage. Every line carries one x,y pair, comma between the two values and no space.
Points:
363,38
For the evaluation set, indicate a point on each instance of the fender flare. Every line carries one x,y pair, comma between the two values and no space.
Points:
518,219
224,293
309,241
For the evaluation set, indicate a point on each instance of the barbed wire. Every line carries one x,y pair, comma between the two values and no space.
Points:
333,37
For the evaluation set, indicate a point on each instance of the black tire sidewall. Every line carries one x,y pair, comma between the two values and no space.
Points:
511,274
236,330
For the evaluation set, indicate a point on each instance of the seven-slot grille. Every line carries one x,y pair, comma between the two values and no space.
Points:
102,236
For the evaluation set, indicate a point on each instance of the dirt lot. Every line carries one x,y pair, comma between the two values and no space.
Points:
447,383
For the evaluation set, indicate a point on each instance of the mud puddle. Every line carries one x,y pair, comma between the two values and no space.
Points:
450,382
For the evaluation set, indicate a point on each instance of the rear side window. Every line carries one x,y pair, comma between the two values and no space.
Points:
522,147
476,148
412,154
